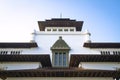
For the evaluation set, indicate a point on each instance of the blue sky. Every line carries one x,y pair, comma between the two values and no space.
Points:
18,18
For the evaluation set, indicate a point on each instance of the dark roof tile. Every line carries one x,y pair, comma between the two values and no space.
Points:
18,45
102,45
44,59
75,59
70,72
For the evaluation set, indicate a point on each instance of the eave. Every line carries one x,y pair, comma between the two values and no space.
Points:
43,59
77,58
61,72
102,45
19,45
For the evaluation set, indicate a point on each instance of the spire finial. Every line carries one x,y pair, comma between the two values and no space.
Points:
60,37
60,15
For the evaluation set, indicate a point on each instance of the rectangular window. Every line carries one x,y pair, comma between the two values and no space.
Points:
71,29
3,52
59,29
118,52
65,30
48,29
54,29
64,59
105,52
60,59
56,59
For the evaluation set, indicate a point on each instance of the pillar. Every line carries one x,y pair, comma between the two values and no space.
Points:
87,36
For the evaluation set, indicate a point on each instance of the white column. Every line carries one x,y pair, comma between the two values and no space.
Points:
33,36
87,37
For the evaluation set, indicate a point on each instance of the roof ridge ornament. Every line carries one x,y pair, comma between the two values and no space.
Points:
60,37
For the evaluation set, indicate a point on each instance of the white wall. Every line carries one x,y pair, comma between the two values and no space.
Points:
60,78
100,65
75,40
19,65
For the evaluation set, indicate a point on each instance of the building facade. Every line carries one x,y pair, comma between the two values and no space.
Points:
60,50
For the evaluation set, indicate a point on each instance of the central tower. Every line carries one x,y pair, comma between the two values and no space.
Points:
60,49
60,37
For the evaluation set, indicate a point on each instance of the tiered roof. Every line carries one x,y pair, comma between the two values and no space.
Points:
60,22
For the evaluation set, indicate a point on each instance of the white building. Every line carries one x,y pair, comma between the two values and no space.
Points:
60,50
